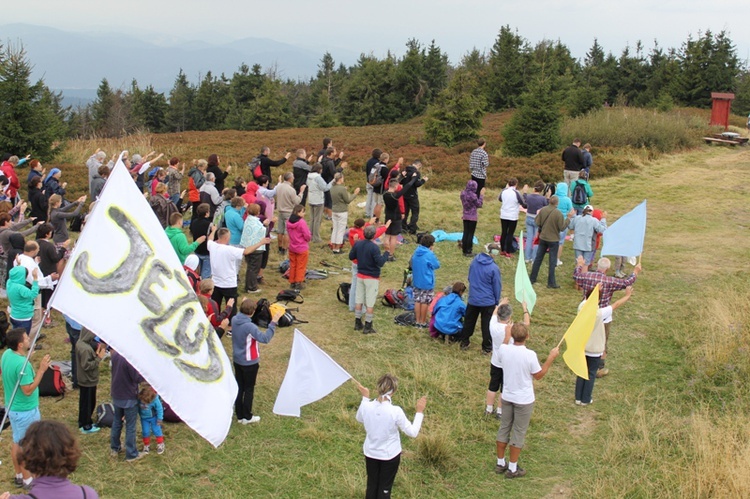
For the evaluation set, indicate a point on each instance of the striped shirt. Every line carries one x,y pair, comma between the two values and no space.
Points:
478,163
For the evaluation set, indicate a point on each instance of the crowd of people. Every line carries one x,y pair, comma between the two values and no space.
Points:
229,224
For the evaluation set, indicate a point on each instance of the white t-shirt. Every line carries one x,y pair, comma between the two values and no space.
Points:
519,364
382,421
225,264
510,205
497,331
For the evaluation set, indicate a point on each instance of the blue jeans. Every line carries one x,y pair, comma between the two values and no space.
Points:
541,251
353,289
22,324
529,251
205,265
73,334
584,388
131,418
587,255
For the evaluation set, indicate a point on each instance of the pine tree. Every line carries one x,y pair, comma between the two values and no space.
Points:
410,85
535,127
435,71
508,70
456,115
102,109
31,116
179,113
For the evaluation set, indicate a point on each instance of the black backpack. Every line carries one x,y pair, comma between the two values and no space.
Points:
579,194
342,293
52,383
105,415
290,295
262,314
405,319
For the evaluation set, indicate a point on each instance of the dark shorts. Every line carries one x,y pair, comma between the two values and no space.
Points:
394,229
496,379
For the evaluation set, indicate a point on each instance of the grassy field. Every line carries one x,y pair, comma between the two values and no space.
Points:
670,420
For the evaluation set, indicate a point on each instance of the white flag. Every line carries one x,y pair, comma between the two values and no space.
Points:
125,283
311,375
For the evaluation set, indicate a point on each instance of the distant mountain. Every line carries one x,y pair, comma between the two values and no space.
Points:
69,61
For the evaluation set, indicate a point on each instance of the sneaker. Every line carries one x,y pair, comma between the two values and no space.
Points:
18,482
253,291
114,453
501,468
559,262
465,346
619,275
242,421
140,455
88,431
515,474
602,372
146,449
578,402
529,261
592,401
160,448
469,255
499,415
486,352
27,486
253,420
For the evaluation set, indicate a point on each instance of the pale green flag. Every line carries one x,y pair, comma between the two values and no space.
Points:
524,291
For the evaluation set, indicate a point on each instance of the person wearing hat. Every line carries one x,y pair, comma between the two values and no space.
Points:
586,227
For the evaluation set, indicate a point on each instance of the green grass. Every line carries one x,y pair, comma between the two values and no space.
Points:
653,430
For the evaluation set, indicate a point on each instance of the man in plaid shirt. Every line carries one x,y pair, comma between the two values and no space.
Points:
478,163
608,285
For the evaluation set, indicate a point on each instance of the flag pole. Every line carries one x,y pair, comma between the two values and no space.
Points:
25,363
561,342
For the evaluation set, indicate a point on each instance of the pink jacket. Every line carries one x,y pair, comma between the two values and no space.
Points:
299,234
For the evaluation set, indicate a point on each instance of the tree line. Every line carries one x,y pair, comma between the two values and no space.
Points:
393,89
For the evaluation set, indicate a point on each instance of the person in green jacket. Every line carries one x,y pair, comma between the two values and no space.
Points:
178,240
583,180
21,298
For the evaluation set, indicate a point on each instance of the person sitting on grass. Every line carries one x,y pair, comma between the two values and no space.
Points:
500,327
520,368
51,453
424,263
449,312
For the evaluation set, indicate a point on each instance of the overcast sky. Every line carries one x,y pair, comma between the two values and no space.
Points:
376,26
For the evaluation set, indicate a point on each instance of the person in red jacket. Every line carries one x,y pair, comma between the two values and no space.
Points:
9,170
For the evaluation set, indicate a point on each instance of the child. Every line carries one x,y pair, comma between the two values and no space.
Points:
299,239
341,199
152,415
356,233
448,313
191,266
424,263
500,326
89,353
219,319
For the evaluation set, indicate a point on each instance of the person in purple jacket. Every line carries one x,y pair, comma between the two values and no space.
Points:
51,452
470,202
125,379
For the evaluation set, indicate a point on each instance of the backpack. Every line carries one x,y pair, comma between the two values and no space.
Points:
76,223
52,383
408,298
290,295
394,298
405,319
284,266
105,415
255,168
342,293
262,315
287,318
579,194
374,178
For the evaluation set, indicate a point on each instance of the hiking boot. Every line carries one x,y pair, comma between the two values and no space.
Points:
368,328
515,474
501,468
18,482
160,448
602,372
358,326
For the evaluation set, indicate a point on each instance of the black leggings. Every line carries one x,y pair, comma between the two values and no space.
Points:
380,477
467,242
506,234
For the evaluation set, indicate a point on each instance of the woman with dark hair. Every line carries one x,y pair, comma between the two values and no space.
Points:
37,200
50,452
382,447
213,167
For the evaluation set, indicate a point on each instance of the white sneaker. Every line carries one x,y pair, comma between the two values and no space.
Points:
243,421
253,420
160,448
559,262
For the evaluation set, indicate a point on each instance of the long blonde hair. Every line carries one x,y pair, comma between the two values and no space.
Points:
55,201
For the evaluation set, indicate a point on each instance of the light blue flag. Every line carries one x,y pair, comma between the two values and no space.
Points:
625,237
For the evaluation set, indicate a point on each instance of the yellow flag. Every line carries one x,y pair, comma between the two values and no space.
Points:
578,335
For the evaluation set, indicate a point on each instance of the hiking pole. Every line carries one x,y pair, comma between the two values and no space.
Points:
22,372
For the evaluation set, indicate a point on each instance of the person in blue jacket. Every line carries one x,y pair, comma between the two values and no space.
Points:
449,311
565,204
234,218
152,415
484,295
424,263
